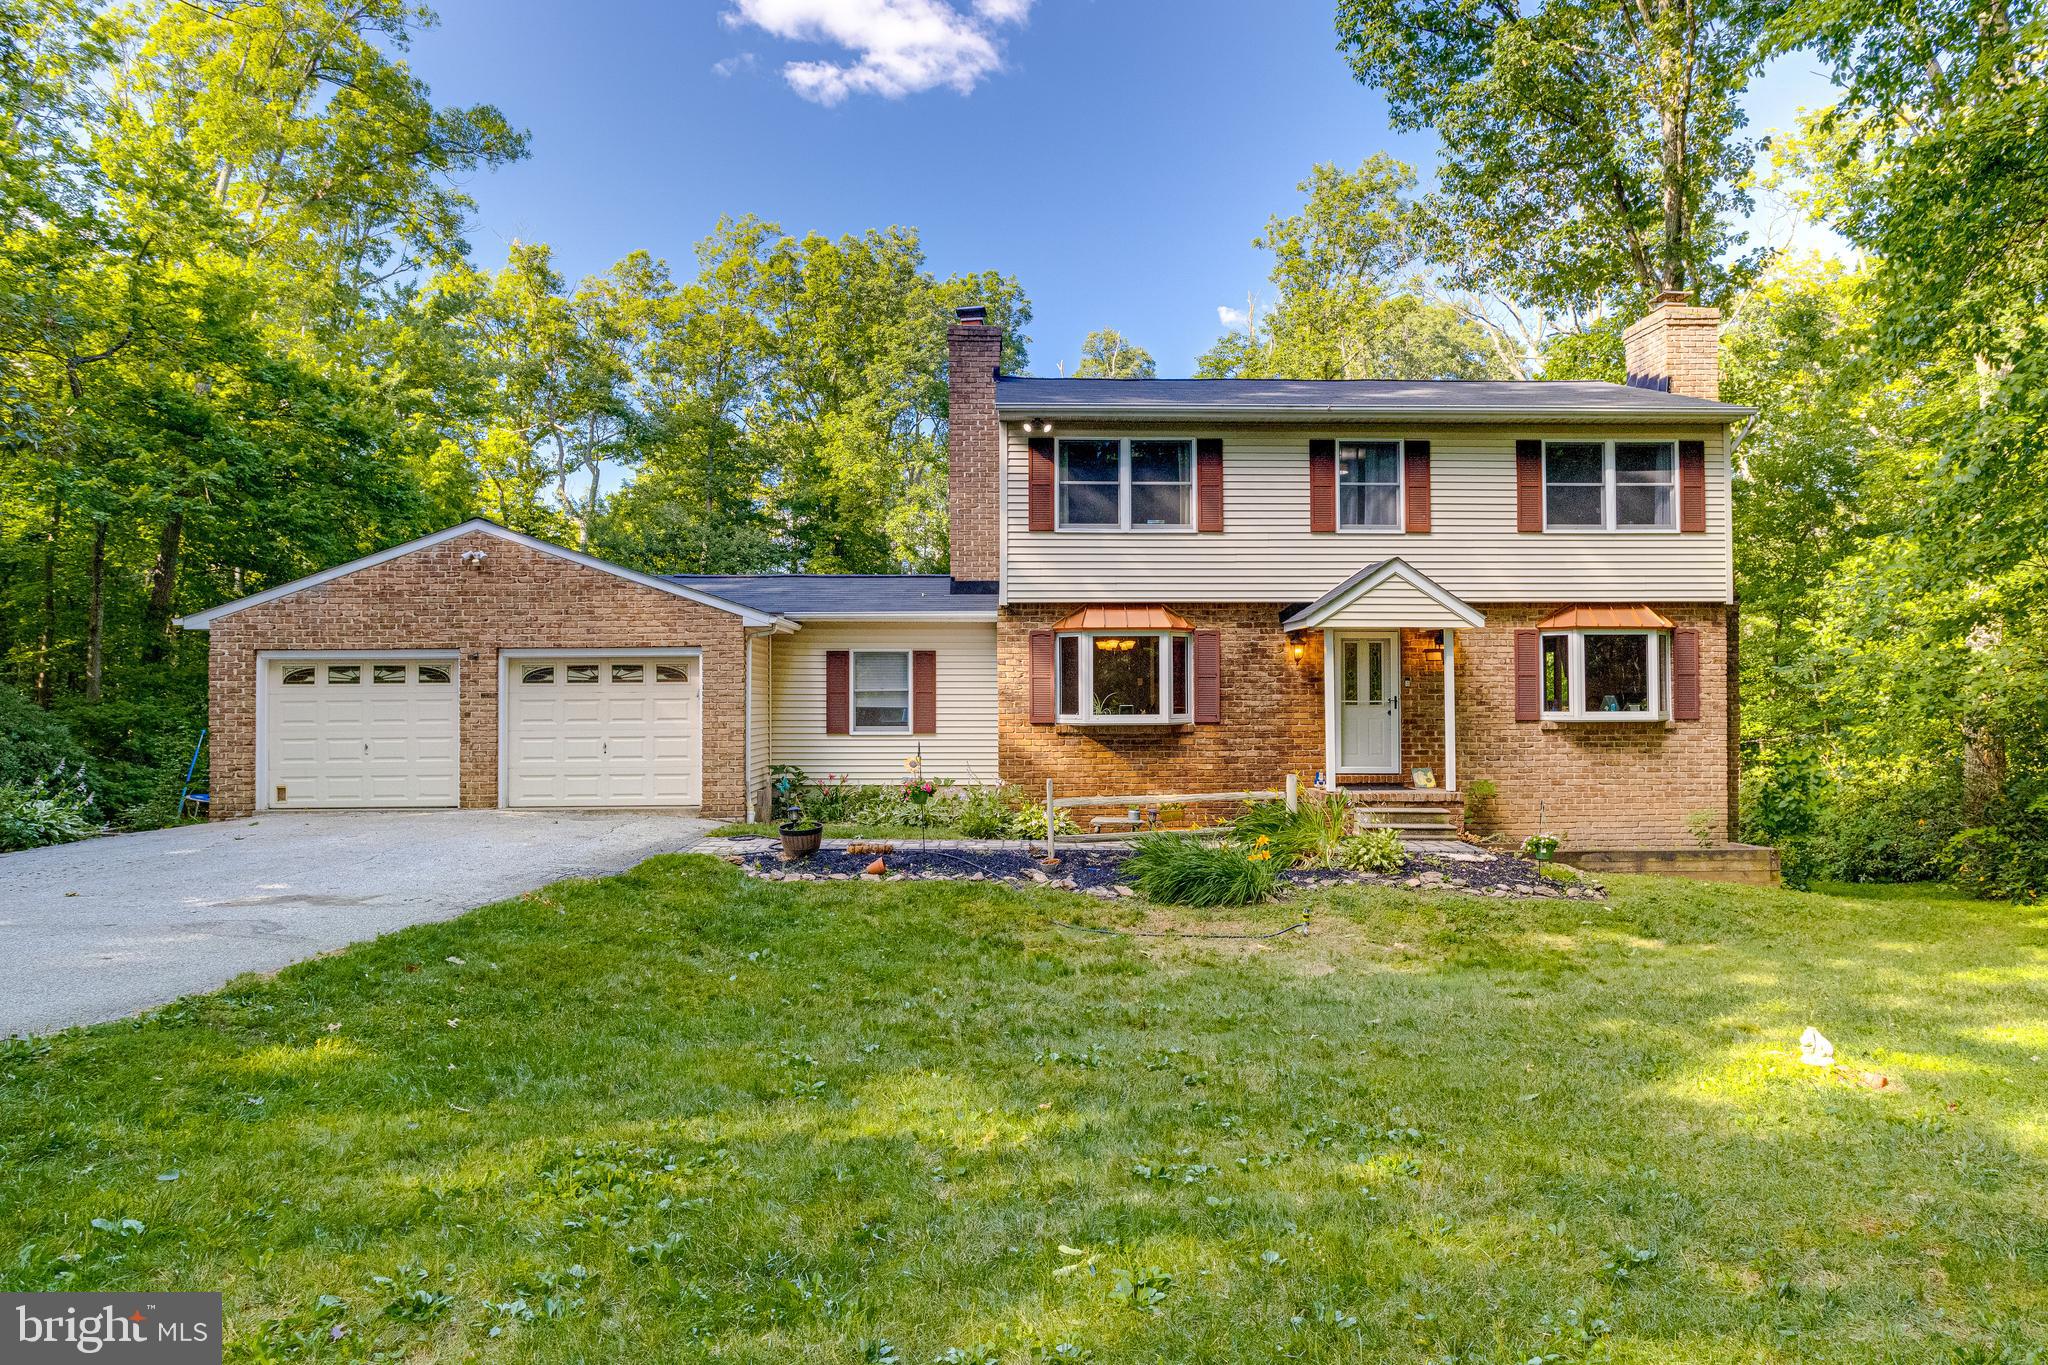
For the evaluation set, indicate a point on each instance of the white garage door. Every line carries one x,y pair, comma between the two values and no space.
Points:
364,732
616,731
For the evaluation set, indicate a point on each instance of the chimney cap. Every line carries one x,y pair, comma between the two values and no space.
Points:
974,314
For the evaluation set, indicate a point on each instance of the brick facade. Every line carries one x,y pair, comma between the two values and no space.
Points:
973,450
518,598
1595,784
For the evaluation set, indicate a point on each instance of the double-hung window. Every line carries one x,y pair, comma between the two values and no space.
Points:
881,691
1125,678
1603,674
1610,485
1369,485
1133,483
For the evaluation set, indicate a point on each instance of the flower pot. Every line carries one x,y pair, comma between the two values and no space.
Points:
800,841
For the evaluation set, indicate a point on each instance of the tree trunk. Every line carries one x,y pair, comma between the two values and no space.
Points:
96,616
1673,99
46,639
163,586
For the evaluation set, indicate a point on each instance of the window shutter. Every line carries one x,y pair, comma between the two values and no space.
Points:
1685,675
1528,485
1416,475
1208,484
838,692
1322,485
1528,676
1208,653
1041,483
1692,486
924,692
1043,711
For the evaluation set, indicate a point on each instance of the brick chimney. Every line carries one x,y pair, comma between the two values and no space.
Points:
1677,348
973,445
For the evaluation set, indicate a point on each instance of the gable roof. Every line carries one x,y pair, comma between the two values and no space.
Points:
203,620
1372,576
852,596
1281,399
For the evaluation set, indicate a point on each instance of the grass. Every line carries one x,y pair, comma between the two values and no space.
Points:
681,1115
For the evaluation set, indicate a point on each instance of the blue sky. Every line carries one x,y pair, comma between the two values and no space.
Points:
1116,156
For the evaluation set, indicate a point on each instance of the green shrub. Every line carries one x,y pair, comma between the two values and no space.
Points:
1311,835
48,810
985,813
1175,869
1375,850
1895,830
34,743
2007,857
139,751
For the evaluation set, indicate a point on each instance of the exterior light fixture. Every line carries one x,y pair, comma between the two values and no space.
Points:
475,558
1036,426
1298,648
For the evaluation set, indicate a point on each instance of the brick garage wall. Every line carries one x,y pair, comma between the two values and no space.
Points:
519,599
1272,715
1596,784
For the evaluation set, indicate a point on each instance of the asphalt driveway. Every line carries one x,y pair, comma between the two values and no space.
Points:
108,927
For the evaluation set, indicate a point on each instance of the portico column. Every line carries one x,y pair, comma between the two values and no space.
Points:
1330,743
1450,710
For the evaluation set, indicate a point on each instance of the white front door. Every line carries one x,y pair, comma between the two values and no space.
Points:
369,732
615,731
1368,703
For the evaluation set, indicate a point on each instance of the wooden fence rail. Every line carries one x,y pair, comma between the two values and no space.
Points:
1291,794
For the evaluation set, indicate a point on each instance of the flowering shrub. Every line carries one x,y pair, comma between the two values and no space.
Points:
1175,869
51,810
1541,847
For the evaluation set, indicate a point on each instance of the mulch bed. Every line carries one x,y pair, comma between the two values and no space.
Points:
1099,872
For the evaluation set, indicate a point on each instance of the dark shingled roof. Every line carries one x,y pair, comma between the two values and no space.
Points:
1360,397
798,595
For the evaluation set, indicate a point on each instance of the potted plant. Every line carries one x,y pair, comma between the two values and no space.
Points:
801,835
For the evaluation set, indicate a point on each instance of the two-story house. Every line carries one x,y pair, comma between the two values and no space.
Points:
1156,586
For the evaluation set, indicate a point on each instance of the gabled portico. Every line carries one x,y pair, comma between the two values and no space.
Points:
1370,623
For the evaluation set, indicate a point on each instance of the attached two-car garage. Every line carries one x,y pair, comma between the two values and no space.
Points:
378,730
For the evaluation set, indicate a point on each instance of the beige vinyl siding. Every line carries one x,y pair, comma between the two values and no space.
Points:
760,717
1391,604
1266,552
964,749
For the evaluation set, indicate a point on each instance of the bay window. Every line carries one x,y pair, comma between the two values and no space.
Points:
1134,483
1603,674
1610,485
1128,678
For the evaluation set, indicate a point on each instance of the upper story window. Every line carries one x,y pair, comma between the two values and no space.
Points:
1133,483
1125,678
1369,485
1610,485
1603,674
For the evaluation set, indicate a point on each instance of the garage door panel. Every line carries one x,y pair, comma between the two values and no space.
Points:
331,742
615,737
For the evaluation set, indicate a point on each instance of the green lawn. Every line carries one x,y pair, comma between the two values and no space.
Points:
682,1115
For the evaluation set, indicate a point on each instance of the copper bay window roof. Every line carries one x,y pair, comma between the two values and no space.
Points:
1124,618
1605,618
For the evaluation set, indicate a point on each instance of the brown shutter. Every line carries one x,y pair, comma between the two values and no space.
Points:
1322,485
1417,478
1043,669
1208,653
838,692
1528,485
1528,676
1208,484
1692,486
1041,483
924,692
1685,675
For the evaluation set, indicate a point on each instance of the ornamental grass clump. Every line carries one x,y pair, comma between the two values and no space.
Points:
1174,869
1311,835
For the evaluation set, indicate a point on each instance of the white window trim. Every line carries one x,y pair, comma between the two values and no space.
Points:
1607,486
1167,642
1123,485
853,726
1658,649
1400,526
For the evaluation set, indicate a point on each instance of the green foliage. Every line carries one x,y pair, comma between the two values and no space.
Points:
54,809
1373,850
1177,869
1307,836
1541,847
1108,354
1700,824
34,743
2007,857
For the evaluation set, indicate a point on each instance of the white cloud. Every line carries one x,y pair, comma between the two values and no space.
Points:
898,47
733,65
1232,317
